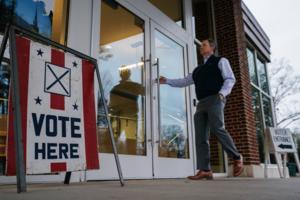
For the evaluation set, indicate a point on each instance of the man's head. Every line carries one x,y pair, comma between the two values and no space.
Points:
124,73
208,47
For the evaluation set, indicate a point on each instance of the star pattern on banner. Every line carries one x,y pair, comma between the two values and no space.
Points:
75,106
74,64
38,100
40,52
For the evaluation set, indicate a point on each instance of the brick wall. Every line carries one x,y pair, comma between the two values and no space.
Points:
239,116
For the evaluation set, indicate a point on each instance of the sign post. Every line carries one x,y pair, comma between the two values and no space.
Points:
280,142
53,128
20,168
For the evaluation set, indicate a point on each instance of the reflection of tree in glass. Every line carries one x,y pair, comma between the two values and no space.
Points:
4,88
258,122
4,83
6,10
101,120
29,14
267,111
170,132
107,82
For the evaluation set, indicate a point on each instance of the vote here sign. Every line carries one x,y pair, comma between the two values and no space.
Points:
57,111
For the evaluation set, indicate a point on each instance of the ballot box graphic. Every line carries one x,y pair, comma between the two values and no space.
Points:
58,115
57,80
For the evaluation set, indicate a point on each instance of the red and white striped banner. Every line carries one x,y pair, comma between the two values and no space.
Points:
57,111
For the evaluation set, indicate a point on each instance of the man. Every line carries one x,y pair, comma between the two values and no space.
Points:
213,82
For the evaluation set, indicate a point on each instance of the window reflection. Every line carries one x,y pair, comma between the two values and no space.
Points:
258,122
267,111
261,69
173,126
122,73
46,17
4,89
251,65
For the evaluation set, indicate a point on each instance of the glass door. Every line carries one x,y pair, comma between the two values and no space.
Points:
149,121
124,71
172,139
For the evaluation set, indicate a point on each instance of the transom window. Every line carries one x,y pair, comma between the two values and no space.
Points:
172,8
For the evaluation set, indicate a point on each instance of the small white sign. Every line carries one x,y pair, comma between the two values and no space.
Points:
282,140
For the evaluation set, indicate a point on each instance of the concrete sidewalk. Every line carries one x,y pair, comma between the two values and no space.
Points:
221,189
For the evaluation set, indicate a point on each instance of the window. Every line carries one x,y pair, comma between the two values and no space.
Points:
251,65
267,108
122,70
258,122
172,8
257,70
173,134
261,105
46,17
261,99
4,88
261,69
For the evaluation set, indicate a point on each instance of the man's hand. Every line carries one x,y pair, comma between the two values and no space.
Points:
221,96
162,80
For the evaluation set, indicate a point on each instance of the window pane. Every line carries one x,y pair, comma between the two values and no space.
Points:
267,111
258,122
261,69
173,135
122,71
251,65
4,89
172,8
46,17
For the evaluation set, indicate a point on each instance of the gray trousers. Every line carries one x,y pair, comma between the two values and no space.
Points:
209,117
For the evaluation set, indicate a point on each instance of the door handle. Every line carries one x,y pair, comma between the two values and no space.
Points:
156,64
194,102
158,94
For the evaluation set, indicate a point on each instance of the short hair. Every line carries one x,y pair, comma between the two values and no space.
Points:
212,43
125,73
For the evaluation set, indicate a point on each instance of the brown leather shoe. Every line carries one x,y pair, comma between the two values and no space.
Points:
202,175
238,166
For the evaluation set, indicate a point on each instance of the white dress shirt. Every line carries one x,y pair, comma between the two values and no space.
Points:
226,71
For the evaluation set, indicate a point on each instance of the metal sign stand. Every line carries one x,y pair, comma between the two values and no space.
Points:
20,168
10,33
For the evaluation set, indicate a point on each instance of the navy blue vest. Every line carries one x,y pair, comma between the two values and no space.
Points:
208,78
